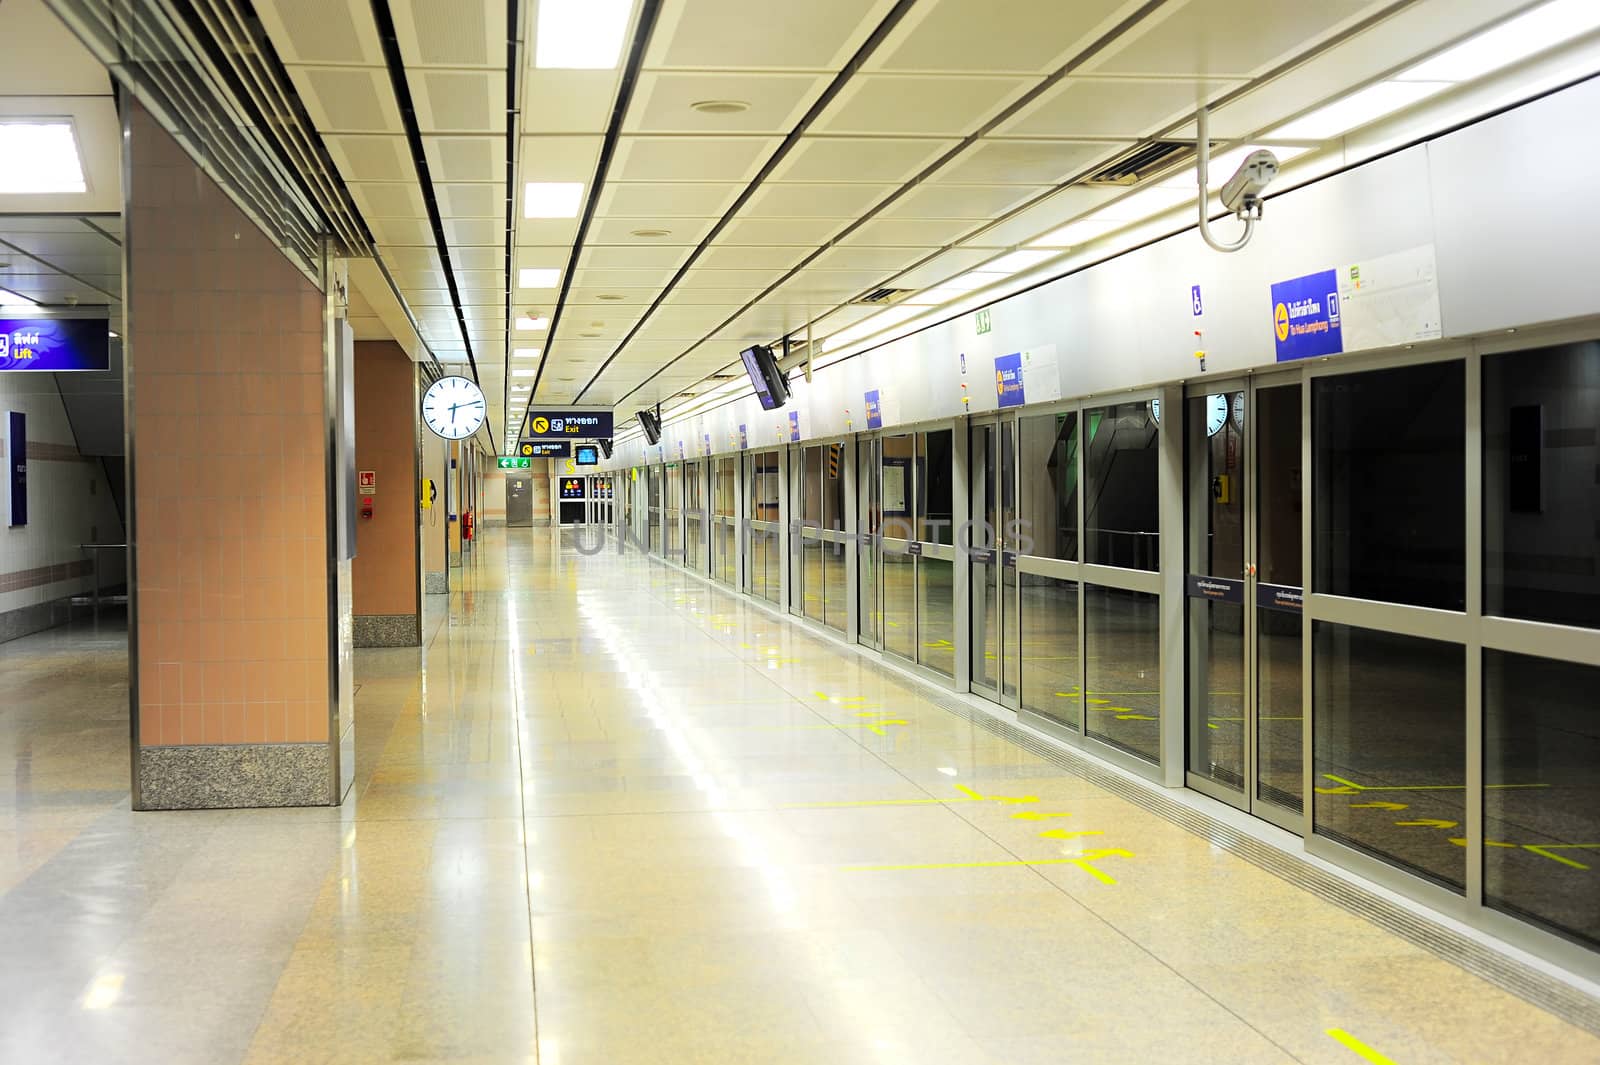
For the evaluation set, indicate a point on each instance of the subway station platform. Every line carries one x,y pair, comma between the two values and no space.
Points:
621,816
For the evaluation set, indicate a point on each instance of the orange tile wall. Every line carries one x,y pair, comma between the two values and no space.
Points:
225,371
386,570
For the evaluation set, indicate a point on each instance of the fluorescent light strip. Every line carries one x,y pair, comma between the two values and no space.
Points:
580,34
525,353
1358,109
13,299
1513,40
528,325
41,158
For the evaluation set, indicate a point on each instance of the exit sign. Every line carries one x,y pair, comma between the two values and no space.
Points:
515,463
984,324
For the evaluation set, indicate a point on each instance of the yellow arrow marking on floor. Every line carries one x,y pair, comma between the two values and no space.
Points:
968,795
1355,1045
973,865
1378,806
1035,815
1544,849
1062,833
1350,787
1461,841
971,794
877,720
1428,822
1135,717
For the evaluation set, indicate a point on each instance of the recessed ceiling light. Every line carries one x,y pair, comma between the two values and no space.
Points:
552,199
13,299
538,277
1534,31
580,34
1017,261
527,323
525,353
524,373
42,156
609,297
650,233
720,107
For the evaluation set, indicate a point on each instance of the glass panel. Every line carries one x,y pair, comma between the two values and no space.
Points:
811,577
810,487
1121,515
898,486
1280,712
1215,448
673,517
936,615
1216,692
1389,714
1541,843
1280,744
899,603
758,562
935,501
1541,507
774,539
833,486
1011,645
835,605
1048,524
986,637
869,522
1051,669
1124,669
1389,496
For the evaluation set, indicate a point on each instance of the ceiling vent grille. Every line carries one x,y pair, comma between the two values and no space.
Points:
882,297
1144,160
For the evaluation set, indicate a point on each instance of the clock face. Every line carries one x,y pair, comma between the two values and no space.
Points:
453,408
1216,414
1238,411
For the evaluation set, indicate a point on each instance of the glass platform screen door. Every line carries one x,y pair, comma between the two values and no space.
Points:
1243,595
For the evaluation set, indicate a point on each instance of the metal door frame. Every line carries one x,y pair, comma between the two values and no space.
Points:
1246,798
1008,594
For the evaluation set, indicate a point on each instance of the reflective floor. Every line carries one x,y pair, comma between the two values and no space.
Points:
611,814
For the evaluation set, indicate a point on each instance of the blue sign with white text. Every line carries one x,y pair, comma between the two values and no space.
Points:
1194,301
744,437
1305,317
794,426
1008,379
55,345
874,410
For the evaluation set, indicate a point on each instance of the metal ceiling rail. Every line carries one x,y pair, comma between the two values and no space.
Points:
226,104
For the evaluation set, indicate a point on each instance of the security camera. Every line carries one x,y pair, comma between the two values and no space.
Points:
1242,193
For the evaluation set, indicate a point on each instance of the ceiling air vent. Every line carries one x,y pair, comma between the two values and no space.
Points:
882,297
1143,161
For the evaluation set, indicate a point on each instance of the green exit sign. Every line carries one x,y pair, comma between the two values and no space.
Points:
515,464
984,324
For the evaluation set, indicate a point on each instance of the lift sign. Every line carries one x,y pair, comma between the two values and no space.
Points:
54,345
1305,317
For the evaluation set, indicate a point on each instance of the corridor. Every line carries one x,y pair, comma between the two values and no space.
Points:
618,816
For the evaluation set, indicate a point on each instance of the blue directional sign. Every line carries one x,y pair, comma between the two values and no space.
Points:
1195,304
54,345
794,426
874,410
1305,317
1008,379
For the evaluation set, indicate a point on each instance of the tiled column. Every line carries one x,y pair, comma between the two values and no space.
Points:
235,621
435,568
388,563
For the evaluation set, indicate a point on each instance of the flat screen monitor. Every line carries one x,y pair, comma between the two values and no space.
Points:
651,426
771,388
586,455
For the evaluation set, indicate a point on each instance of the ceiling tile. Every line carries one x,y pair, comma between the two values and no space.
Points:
388,200
1124,107
690,158
770,34
466,158
1017,162
810,232
1203,37
776,101
375,158
665,200
1024,36
912,104
906,232
737,257
813,201
981,202
459,101
620,231
348,99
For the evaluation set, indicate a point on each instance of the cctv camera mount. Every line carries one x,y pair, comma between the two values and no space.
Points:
1242,192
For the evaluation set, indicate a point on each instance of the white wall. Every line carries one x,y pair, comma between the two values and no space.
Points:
69,501
1517,244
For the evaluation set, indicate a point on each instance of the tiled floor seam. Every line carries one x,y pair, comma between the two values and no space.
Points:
1498,969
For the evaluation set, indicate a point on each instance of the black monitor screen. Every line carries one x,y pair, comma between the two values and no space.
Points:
587,455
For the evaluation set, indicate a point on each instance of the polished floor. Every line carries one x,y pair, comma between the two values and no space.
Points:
612,815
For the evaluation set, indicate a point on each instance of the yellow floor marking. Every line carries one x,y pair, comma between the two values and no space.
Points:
1428,822
1544,849
1350,787
1461,841
1035,815
968,795
972,794
1378,806
1356,1046
1062,833
1135,717
1209,725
